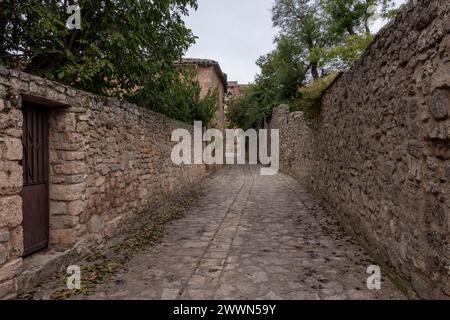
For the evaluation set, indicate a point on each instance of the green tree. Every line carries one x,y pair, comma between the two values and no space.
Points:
124,48
283,69
302,21
332,33
316,38
251,110
347,15
186,102
353,16
310,97
282,73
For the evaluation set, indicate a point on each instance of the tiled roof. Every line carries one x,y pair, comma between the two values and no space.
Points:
207,63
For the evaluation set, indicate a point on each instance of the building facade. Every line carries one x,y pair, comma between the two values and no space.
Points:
211,77
235,89
75,169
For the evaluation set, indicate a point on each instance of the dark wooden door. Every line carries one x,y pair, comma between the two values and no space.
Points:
35,163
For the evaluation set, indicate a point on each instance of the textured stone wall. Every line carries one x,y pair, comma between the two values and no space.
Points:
379,153
108,161
10,185
209,80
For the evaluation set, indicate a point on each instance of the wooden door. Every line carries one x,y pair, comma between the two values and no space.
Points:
35,163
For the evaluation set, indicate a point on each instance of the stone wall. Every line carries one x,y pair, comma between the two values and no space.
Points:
108,161
379,152
209,79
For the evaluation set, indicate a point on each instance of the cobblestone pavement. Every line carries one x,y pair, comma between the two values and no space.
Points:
250,237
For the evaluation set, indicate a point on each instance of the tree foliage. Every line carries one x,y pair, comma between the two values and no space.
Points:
186,102
316,39
310,97
282,69
252,109
331,33
124,48
282,72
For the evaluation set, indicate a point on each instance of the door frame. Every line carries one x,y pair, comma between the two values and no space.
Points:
51,106
43,184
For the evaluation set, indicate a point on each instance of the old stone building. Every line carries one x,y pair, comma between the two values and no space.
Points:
211,77
74,168
235,89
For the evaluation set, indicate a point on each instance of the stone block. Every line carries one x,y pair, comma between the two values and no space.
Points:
10,211
16,118
433,210
72,155
63,238
33,87
63,222
67,122
436,240
53,156
4,235
82,127
100,181
415,148
67,192
83,117
96,224
73,137
70,168
4,253
7,288
76,207
16,242
11,179
439,104
58,208
10,270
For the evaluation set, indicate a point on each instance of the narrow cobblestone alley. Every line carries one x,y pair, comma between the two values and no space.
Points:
250,237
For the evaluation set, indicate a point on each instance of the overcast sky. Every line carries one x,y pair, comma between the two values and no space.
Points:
235,33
